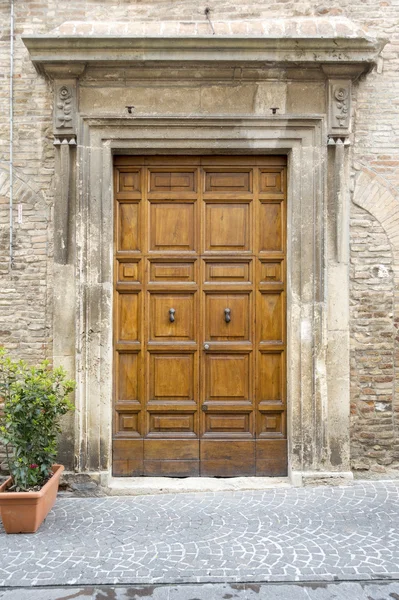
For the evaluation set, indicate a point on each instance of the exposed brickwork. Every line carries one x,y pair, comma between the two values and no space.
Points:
25,291
372,357
375,256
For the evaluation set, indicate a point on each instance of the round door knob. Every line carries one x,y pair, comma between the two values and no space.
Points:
206,346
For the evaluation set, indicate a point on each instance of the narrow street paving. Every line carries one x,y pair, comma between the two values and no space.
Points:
215,591
278,535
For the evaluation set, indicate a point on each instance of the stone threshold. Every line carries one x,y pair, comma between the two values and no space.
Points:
132,486
103,484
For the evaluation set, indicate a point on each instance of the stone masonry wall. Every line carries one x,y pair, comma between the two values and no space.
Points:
25,290
372,357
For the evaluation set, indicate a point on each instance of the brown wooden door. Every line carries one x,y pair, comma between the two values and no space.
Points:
199,316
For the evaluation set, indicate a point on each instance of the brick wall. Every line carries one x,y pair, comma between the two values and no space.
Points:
25,291
372,357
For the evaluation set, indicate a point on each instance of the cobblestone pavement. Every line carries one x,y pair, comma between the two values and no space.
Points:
216,591
277,535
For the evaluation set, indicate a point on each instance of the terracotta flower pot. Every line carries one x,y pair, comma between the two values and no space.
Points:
24,512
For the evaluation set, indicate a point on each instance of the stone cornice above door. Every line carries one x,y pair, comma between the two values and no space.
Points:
300,43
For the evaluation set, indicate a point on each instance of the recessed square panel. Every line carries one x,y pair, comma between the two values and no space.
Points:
227,377
271,317
228,181
172,226
129,272
172,317
171,377
227,317
271,373
272,424
127,422
128,317
128,180
271,272
271,227
172,181
128,232
227,227
271,181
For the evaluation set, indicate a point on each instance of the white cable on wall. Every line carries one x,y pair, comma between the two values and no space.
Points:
11,167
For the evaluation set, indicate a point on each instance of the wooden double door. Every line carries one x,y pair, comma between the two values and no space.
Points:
199,316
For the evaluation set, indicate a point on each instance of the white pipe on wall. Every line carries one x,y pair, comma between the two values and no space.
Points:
11,166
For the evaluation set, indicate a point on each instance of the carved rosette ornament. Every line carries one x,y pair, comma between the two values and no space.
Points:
339,107
342,107
65,141
64,108
339,95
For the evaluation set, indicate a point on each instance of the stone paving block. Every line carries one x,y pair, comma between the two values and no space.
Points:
223,591
150,539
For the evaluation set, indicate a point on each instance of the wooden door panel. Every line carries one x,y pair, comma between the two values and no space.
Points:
172,377
171,317
180,450
127,379
271,227
228,317
128,271
128,421
228,424
172,271
127,457
202,240
223,180
222,271
128,322
172,227
172,181
227,459
227,227
271,458
171,468
271,377
129,230
164,424
271,272
272,423
171,457
271,181
128,182
271,307
227,377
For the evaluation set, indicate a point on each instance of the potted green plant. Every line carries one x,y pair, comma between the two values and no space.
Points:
34,399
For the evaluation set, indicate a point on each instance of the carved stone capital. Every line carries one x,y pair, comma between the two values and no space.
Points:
65,106
339,107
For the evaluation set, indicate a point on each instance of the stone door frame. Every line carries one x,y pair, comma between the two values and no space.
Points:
317,327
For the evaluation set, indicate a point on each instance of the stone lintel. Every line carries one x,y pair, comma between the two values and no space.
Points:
70,70
358,54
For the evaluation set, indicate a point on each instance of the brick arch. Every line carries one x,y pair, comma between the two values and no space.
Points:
374,195
24,189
